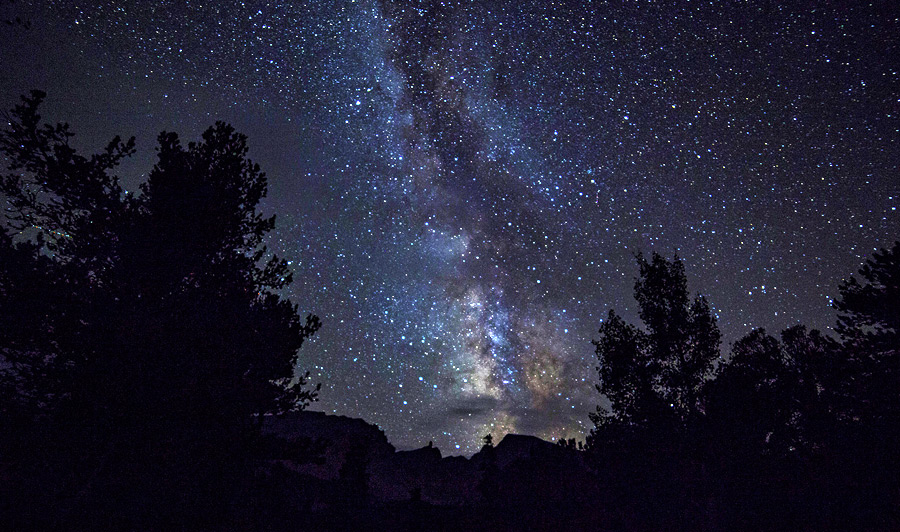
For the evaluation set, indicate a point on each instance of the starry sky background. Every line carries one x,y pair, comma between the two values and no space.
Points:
461,186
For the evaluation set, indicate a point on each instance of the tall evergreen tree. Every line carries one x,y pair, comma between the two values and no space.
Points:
869,326
142,335
870,310
869,386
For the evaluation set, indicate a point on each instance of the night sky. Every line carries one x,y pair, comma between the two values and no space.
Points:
461,186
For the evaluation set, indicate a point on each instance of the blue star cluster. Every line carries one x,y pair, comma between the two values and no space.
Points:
461,186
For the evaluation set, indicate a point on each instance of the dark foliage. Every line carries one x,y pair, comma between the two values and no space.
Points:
870,311
796,432
141,337
869,325
648,376
143,346
488,484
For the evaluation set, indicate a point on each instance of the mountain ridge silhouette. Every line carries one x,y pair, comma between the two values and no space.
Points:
393,475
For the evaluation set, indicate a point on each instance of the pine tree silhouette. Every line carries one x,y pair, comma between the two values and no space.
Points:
143,339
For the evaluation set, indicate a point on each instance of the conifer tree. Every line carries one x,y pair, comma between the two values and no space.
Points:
142,337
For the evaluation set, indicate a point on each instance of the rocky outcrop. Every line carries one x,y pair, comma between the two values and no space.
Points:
517,465
327,440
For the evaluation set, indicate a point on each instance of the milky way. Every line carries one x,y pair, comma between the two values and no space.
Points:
461,186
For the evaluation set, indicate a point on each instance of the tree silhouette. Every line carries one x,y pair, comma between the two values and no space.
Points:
626,373
683,335
753,402
142,339
489,482
870,311
795,431
869,326
867,382
651,375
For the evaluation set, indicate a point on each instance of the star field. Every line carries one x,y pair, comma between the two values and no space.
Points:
461,186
